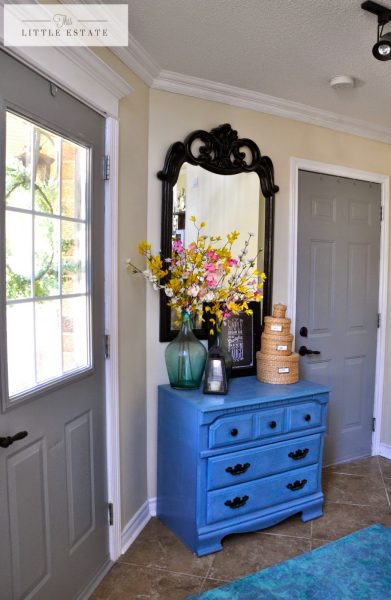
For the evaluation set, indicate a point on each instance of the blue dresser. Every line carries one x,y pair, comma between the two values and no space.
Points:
240,462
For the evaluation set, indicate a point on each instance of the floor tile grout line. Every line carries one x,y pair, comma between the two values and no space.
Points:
361,475
207,574
378,506
384,484
144,566
284,535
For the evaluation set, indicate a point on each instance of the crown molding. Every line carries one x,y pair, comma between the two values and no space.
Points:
138,60
176,83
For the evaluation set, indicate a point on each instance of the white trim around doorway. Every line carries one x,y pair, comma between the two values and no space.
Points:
297,164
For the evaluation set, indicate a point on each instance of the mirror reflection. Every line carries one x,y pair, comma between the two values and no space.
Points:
224,203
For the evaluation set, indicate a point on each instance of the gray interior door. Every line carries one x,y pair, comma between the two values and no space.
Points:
337,303
53,518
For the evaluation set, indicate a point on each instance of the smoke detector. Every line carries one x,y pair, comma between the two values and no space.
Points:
342,82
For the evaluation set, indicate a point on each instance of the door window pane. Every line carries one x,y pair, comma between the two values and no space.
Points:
19,137
47,259
74,332
73,180
46,256
48,340
73,257
20,347
19,230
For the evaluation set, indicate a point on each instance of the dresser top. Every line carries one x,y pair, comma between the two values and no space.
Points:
247,390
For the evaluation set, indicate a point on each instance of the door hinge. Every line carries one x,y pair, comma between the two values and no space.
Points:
378,320
106,168
107,345
111,516
381,213
373,424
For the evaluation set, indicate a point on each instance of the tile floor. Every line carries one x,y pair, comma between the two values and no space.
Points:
159,567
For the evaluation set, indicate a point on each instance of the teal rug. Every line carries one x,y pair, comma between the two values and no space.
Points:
356,567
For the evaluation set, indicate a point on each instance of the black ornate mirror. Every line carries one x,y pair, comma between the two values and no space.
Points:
195,184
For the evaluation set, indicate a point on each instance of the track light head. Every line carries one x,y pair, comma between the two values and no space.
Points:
382,49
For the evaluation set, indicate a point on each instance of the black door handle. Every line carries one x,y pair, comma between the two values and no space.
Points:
303,350
7,441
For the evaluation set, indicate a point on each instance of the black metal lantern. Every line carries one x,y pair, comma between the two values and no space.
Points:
215,380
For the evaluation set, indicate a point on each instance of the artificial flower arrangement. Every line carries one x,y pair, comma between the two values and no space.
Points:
205,276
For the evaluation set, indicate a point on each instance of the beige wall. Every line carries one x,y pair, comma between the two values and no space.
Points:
132,219
172,117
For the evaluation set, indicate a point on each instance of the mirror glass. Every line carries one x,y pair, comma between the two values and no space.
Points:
224,203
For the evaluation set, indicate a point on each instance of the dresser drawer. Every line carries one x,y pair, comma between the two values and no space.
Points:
304,416
235,501
245,465
231,430
269,422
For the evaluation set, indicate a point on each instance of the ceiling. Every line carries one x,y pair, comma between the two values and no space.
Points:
283,49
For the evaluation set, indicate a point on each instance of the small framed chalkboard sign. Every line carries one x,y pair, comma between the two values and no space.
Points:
241,334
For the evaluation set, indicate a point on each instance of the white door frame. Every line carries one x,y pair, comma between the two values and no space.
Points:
84,75
297,164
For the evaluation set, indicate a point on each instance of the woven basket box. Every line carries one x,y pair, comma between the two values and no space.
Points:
279,310
277,369
281,345
277,326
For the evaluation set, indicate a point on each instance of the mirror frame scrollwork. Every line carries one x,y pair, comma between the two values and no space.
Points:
222,152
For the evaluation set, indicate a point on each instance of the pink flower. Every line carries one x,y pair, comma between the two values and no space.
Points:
192,246
211,254
232,262
211,268
177,246
211,279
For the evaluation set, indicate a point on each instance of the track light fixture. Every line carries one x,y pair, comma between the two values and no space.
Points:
382,49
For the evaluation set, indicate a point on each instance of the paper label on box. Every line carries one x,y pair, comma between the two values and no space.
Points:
282,348
276,328
284,370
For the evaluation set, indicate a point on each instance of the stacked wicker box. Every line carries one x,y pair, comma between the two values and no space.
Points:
275,362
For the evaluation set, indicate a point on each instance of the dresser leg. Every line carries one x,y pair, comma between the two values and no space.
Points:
209,544
314,511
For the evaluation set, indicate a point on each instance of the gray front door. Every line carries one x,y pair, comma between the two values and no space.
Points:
337,303
53,518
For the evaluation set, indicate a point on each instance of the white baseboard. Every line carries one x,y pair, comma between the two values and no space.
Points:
385,450
152,507
135,526
91,587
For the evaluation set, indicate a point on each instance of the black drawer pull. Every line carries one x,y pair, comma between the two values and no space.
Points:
298,485
272,424
234,432
238,469
298,454
307,418
236,502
